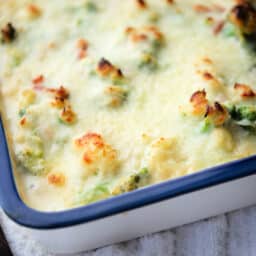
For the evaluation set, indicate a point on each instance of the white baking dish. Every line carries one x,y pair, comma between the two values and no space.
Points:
154,208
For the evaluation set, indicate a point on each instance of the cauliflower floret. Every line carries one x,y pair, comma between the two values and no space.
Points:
98,156
214,113
164,159
221,138
27,98
208,72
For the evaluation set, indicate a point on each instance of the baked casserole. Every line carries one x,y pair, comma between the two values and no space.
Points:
104,97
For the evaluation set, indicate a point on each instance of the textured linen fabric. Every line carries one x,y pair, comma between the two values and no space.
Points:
232,234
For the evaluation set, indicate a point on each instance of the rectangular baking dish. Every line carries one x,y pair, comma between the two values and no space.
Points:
158,207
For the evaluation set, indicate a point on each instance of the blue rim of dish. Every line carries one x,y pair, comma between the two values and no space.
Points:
26,216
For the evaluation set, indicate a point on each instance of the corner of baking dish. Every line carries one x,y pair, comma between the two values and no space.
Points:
16,209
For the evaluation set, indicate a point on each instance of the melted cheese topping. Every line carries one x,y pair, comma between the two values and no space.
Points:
96,95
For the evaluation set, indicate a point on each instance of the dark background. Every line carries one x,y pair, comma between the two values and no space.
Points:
4,248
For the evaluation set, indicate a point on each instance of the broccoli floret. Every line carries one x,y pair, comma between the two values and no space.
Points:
115,95
91,7
31,156
206,126
244,116
152,40
148,61
229,30
31,162
99,192
22,112
133,182
239,113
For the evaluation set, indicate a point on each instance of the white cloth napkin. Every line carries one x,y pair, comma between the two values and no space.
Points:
232,234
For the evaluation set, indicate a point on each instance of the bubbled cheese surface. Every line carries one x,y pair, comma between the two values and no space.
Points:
147,128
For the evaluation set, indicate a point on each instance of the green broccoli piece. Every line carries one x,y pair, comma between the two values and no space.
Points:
31,162
148,61
99,192
154,17
239,113
22,112
229,30
16,57
16,61
206,126
31,156
244,116
132,182
91,7
149,58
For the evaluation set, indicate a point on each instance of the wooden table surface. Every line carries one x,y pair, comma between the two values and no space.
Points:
4,247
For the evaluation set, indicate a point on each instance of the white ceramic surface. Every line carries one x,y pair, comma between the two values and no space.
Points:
159,216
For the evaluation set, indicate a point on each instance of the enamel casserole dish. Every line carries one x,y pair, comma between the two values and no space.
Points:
124,118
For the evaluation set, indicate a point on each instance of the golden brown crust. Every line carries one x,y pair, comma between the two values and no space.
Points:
218,8
145,34
38,80
56,179
207,75
217,114
170,1
243,16
82,46
201,107
245,90
90,137
117,95
97,155
60,101
200,8
67,115
135,36
34,10
207,71
141,4
106,68
207,60
23,121
60,96
199,102
8,33
218,27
